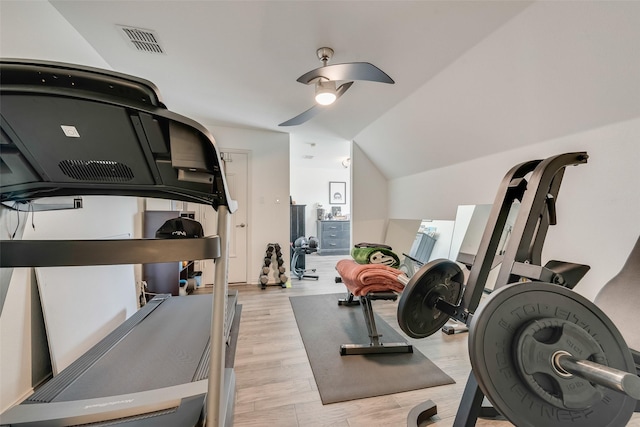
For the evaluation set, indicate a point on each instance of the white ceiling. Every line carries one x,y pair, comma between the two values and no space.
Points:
472,77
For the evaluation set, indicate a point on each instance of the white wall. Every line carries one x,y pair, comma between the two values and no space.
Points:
310,177
16,321
21,36
598,204
557,68
370,199
268,220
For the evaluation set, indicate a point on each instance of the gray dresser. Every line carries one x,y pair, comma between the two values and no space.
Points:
335,237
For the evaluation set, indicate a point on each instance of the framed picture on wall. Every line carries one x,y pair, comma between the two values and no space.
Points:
337,193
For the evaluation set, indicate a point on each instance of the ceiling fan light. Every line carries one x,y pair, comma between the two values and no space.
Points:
326,92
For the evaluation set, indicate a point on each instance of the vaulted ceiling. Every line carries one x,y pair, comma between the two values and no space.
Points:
472,77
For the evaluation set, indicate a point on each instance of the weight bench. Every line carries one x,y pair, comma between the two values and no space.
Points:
371,282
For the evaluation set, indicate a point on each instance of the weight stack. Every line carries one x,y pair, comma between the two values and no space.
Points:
273,261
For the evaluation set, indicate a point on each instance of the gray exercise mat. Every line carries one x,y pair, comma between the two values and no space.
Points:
324,326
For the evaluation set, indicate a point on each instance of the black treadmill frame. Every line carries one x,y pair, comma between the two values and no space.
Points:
177,159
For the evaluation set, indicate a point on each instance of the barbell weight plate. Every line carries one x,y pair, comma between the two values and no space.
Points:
537,344
494,332
439,279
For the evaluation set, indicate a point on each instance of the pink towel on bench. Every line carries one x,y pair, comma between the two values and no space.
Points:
361,279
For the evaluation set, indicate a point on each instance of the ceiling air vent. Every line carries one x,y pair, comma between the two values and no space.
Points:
142,40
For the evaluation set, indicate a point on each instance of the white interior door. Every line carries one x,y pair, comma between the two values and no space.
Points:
237,174
237,171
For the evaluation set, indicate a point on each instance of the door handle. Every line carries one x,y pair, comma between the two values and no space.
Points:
243,225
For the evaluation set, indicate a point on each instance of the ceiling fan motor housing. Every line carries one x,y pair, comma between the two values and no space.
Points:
324,54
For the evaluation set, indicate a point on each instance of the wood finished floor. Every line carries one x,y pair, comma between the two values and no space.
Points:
275,384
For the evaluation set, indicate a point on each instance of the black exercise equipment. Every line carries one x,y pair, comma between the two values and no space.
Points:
438,280
70,130
545,355
534,187
375,344
181,373
520,261
303,246
380,285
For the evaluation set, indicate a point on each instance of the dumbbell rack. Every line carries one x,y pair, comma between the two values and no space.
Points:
274,250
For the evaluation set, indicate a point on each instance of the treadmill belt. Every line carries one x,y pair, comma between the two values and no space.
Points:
164,350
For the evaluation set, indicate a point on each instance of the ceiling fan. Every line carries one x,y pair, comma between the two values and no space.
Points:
325,79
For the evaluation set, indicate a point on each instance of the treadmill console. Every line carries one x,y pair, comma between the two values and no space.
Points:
70,130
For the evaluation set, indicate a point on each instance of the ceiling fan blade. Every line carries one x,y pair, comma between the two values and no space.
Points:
342,89
313,111
348,71
303,117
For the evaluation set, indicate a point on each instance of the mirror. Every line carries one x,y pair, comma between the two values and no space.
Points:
418,241
470,224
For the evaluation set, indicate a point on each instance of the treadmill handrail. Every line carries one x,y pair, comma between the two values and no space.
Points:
103,408
59,253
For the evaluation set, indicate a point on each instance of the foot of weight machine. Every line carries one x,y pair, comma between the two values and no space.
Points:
349,301
420,413
453,327
382,348
488,411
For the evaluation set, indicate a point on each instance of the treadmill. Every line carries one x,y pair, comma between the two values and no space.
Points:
69,130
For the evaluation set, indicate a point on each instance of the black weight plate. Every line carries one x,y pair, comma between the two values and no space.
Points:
493,335
417,315
536,346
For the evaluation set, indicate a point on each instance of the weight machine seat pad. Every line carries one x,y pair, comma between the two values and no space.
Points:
620,298
362,279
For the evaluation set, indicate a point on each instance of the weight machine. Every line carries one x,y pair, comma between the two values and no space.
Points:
581,357
303,246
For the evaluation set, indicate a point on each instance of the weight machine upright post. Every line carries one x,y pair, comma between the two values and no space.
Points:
215,406
532,222
492,233
470,404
